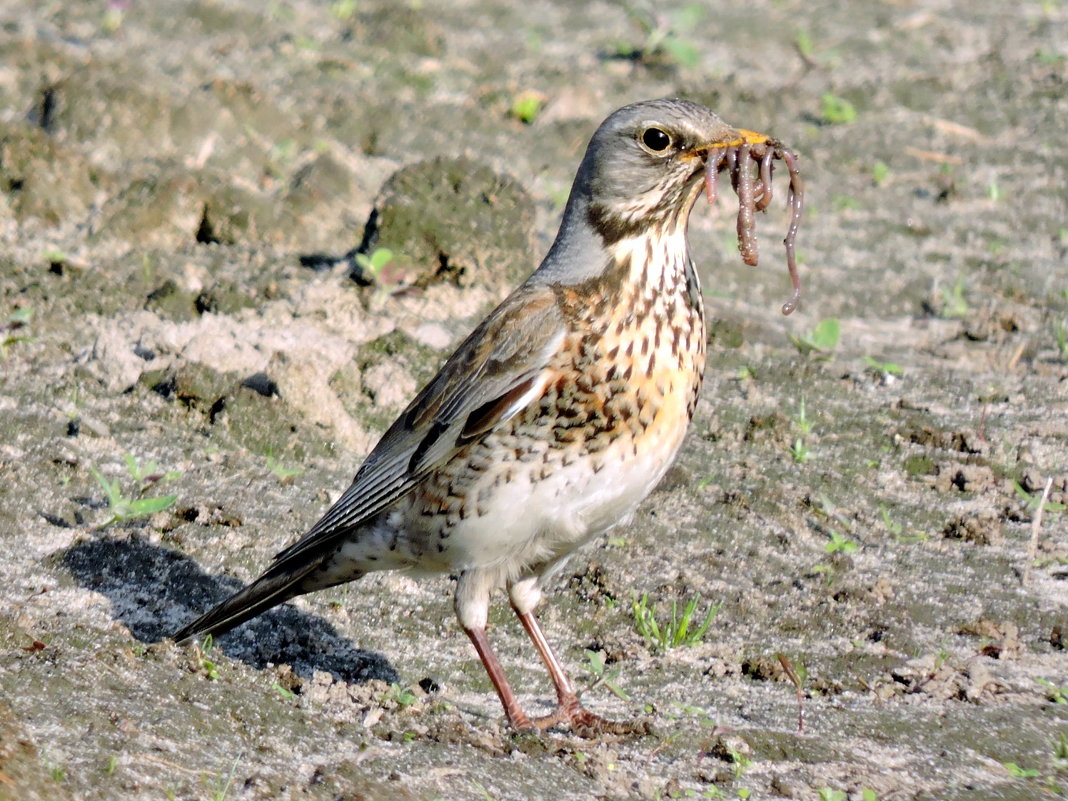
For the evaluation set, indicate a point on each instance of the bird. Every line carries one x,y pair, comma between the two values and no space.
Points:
551,421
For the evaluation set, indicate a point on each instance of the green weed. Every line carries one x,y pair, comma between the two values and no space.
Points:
891,526
880,171
820,340
289,695
666,40
124,508
1058,695
799,450
1020,773
835,110
954,304
595,666
675,632
280,471
1060,333
401,696
527,105
839,544
376,262
220,787
18,319
886,368
343,10
1033,501
211,670
148,473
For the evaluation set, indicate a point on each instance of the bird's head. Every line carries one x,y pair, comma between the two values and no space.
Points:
644,166
641,174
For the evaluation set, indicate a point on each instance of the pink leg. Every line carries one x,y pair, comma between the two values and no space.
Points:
516,717
569,709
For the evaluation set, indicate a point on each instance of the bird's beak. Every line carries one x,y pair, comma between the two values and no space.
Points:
736,138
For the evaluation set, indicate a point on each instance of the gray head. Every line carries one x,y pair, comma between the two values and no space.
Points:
642,169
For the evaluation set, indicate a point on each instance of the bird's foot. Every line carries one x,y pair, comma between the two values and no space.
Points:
585,724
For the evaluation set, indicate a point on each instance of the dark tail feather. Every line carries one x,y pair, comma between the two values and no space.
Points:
265,592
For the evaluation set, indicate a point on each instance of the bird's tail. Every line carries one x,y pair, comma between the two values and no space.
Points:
272,588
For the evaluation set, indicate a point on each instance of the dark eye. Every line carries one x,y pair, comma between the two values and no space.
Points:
656,140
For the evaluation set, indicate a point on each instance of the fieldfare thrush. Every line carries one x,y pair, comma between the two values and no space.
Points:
559,413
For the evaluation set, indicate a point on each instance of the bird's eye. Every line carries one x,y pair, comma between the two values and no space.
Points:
656,140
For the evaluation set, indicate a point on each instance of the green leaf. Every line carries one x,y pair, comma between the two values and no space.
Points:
149,506
289,695
890,368
21,316
526,106
826,333
682,51
837,110
822,339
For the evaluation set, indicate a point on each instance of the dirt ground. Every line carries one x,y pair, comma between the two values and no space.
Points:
182,186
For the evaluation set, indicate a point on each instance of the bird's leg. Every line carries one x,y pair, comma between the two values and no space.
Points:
516,717
569,709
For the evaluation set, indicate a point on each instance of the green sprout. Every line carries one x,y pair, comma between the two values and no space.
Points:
343,10
289,695
835,110
211,670
891,526
124,508
954,304
280,471
820,340
1033,501
879,173
526,106
839,544
1058,695
401,696
886,368
1060,333
1020,773
595,665
676,632
19,318
148,473
665,36
376,262
799,450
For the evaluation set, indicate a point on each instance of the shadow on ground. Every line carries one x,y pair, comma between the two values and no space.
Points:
154,590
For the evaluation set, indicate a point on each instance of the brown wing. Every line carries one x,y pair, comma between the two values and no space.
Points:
499,369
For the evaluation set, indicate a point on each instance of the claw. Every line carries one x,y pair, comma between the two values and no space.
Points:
583,723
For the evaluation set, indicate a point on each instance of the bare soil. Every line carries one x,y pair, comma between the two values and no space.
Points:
182,186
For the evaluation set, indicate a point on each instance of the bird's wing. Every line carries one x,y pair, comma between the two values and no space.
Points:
498,370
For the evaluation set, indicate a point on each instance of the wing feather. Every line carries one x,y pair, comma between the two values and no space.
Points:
503,366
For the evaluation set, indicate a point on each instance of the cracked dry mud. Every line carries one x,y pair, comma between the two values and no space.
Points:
181,188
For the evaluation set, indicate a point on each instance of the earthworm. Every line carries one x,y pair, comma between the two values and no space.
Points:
715,159
742,178
751,166
765,179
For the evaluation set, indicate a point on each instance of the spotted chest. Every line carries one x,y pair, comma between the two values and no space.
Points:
623,388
